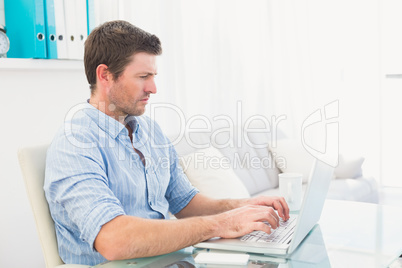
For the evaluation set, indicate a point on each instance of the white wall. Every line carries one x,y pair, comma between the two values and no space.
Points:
345,64
33,104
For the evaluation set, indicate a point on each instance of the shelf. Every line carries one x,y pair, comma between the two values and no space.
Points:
393,76
9,64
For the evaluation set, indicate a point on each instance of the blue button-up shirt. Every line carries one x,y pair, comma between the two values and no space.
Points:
93,175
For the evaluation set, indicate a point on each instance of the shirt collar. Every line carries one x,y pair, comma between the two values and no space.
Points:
109,124
132,121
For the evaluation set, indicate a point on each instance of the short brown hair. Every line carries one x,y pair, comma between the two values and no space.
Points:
113,44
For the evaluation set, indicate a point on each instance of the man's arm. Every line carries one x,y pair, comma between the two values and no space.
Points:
127,237
202,205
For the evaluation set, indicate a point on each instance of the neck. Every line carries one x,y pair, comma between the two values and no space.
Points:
107,108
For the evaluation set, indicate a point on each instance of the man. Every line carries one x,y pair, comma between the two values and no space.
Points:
106,189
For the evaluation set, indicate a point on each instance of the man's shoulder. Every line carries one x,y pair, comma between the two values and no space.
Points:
78,131
79,125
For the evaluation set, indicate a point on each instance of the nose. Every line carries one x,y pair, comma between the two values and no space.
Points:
151,86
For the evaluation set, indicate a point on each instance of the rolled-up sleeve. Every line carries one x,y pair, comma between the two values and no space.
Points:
76,188
180,191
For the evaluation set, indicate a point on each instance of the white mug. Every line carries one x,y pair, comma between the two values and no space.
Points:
290,187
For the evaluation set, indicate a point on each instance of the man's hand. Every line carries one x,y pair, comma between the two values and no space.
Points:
276,202
246,219
252,215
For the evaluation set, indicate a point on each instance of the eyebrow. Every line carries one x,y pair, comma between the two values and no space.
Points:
147,73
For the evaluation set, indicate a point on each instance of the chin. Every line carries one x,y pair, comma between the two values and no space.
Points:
138,112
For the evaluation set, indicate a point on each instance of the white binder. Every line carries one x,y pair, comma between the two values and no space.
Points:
81,25
60,29
73,48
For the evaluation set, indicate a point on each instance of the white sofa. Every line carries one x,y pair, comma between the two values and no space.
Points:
233,164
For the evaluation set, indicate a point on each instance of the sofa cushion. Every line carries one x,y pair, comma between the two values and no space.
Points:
349,167
210,172
248,153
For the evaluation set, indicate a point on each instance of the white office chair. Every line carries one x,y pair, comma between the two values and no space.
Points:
32,161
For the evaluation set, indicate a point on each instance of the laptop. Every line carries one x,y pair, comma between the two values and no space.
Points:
310,212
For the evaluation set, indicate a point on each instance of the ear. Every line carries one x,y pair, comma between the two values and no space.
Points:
103,76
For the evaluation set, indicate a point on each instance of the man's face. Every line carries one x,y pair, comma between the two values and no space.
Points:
131,91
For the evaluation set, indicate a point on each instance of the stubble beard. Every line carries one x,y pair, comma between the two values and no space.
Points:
136,108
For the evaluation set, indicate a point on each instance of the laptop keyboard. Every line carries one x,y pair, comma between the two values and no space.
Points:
279,235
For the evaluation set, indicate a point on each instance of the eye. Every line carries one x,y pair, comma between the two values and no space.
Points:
144,76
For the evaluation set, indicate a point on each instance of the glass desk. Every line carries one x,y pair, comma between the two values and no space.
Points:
349,234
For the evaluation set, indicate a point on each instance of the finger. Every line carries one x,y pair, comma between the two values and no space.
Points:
273,219
266,214
278,207
282,208
260,226
285,208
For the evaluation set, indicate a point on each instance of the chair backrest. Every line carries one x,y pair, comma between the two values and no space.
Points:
32,161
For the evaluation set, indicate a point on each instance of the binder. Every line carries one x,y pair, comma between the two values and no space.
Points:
25,22
71,29
81,26
50,22
94,13
91,19
60,29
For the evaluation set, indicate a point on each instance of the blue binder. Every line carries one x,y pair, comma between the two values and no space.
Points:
25,21
51,38
91,15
